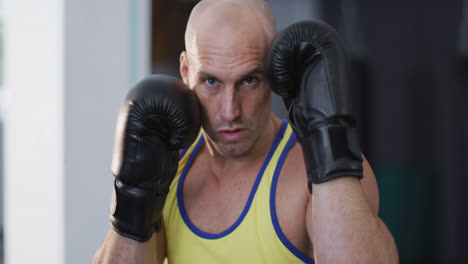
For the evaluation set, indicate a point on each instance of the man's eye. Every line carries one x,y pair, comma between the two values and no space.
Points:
211,81
250,81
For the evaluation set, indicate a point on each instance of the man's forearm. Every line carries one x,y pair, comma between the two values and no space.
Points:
119,249
344,229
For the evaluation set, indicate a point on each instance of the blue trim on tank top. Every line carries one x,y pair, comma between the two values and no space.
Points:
274,217
239,220
183,152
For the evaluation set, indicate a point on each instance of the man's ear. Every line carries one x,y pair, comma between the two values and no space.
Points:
184,66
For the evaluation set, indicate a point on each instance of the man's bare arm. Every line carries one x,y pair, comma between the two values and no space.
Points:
118,249
343,224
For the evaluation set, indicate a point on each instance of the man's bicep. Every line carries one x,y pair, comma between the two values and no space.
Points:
369,185
161,243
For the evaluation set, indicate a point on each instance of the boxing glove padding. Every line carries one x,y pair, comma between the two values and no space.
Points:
158,108
160,116
309,69
310,53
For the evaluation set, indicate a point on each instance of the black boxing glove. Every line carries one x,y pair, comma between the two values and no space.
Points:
308,68
160,115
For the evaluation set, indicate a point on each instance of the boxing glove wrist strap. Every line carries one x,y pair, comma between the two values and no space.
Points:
135,212
331,150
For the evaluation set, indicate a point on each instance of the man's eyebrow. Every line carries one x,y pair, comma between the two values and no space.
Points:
205,75
256,70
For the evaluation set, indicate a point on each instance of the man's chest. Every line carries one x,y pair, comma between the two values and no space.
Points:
212,204
215,207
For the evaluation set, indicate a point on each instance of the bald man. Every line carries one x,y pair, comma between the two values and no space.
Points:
241,194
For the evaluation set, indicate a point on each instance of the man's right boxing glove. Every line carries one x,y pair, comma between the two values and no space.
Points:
308,67
160,116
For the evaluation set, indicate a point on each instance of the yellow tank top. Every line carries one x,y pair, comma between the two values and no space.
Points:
255,237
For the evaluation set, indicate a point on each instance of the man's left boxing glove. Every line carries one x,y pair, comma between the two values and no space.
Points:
308,67
160,116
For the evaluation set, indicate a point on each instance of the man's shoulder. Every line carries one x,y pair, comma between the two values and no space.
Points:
292,200
294,162
293,175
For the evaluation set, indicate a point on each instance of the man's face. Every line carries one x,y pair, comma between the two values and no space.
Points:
229,77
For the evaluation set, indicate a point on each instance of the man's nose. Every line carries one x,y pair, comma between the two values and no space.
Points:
230,105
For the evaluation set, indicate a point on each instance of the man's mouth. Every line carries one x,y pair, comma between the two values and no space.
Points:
232,134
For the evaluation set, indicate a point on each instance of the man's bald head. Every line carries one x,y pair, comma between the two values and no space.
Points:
238,16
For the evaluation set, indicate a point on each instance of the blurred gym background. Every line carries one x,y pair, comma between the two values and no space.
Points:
65,67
